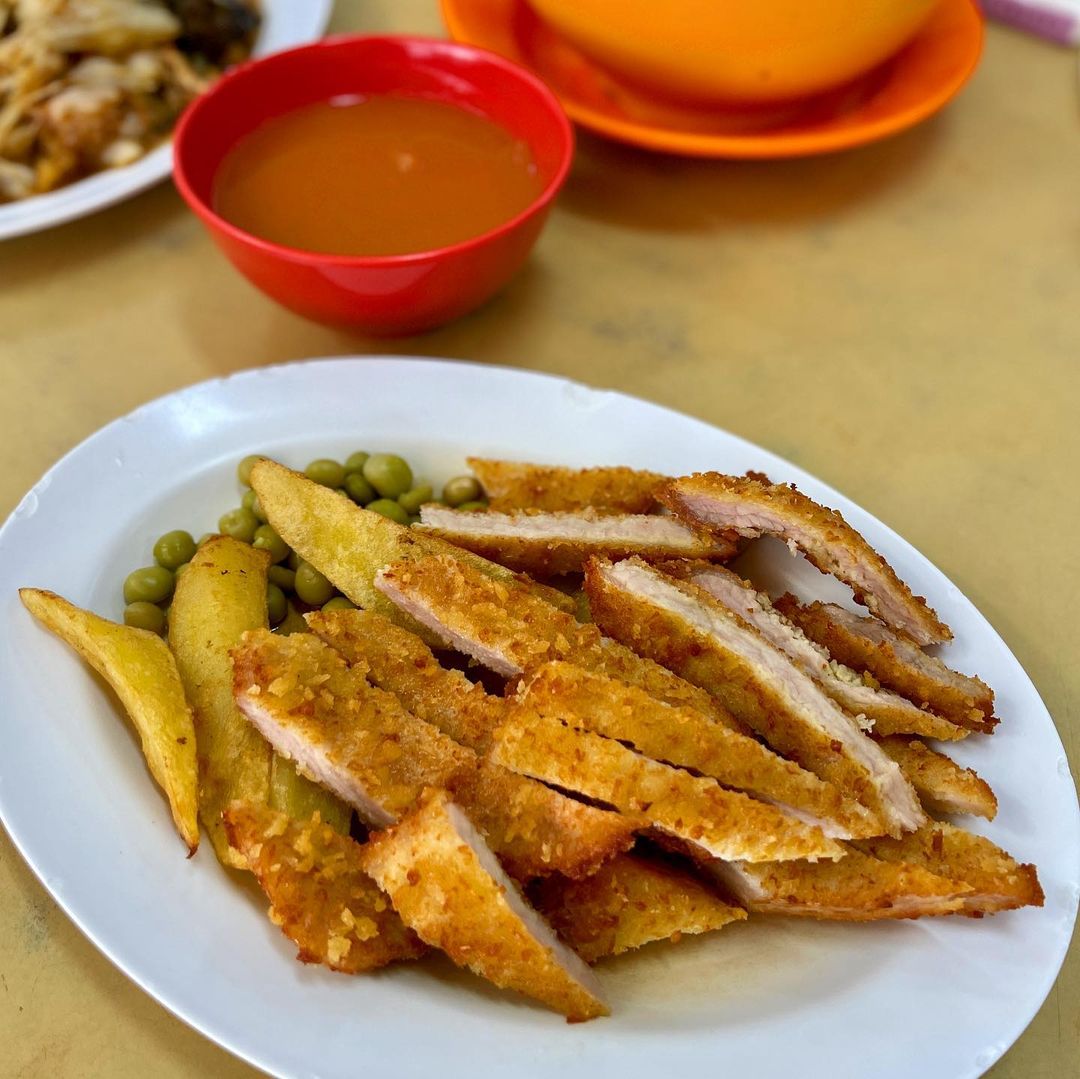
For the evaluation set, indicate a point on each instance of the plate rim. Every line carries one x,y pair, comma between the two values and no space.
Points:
212,1030
751,147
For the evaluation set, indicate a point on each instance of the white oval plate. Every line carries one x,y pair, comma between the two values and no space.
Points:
285,23
939,999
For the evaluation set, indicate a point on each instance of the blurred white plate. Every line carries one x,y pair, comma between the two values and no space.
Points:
937,999
285,23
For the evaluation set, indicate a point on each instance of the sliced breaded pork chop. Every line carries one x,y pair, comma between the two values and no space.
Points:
752,507
448,887
942,784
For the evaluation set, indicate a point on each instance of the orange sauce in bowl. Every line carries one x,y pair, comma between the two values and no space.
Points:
380,175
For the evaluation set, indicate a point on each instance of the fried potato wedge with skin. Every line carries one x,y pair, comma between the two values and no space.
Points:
996,881
942,784
858,888
378,756
140,669
218,597
518,485
299,798
631,901
349,544
510,630
718,822
448,886
689,739
320,897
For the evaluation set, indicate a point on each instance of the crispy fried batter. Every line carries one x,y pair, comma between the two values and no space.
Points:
858,888
510,630
689,739
722,823
553,543
996,881
754,508
688,631
448,887
866,644
320,897
515,485
939,781
889,713
362,743
630,902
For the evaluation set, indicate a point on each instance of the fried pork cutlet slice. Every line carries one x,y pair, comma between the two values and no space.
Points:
752,507
997,881
941,784
552,543
858,888
683,627
515,485
320,897
401,663
449,888
688,739
630,902
510,630
374,754
866,644
889,712
718,822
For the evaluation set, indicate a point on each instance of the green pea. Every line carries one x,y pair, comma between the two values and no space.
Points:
277,607
283,577
243,469
311,586
174,548
180,570
411,501
143,615
339,603
293,561
151,584
205,538
358,489
389,474
356,461
472,507
239,523
250,501
414,518
328,473
389,508
461,489
266,539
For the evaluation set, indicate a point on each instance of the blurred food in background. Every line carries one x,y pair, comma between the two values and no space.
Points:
87,85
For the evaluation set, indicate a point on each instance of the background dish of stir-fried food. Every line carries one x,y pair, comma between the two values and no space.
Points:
88,85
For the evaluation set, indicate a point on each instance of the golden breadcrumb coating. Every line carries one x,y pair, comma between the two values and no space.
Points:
361,742
320,897
448,887
721,823
868,645
630,902
753,507
684,628
942,784
996,881
549,544
689,739
510,630
516,485
858,888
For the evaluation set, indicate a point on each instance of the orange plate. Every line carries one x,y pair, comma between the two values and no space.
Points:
911,86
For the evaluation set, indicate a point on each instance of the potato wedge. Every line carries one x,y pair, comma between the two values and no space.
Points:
221,594
141,670
297,797
349,545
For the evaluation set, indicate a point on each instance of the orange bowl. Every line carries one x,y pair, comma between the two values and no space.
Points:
734,50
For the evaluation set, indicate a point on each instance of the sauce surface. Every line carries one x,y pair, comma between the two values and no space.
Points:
382,175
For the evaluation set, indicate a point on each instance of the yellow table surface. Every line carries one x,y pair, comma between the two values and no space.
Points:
902,320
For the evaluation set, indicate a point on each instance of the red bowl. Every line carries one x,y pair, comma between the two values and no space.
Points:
390,294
